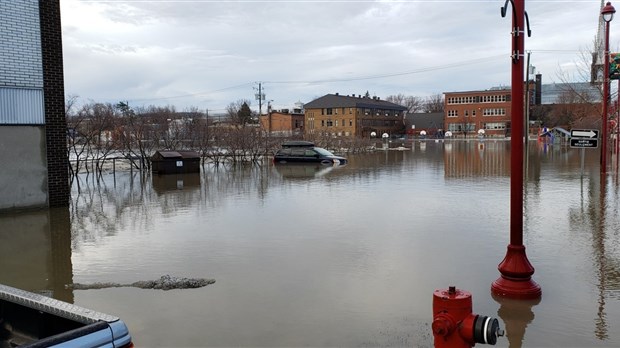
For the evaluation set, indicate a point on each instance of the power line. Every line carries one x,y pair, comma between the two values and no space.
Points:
192,94
417,71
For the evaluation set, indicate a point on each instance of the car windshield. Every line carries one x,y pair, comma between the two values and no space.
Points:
323,151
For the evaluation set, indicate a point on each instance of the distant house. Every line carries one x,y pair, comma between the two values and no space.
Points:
284,122
353,116
429,122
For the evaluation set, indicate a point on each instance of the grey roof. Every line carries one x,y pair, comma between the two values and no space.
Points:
177,154
345,101
427,120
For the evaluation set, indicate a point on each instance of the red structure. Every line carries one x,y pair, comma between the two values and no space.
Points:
454,324
608,14
516,271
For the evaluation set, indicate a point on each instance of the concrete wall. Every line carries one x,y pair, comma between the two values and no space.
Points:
23,170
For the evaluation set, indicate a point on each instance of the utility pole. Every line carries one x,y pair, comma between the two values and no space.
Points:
260,96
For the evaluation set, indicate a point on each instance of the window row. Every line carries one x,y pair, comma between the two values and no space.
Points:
367,112
460,127
494,112
496,98
455,113
334,111
335,123
494,125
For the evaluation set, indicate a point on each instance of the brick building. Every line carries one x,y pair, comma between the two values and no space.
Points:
468,112
360,116
33,129
283,122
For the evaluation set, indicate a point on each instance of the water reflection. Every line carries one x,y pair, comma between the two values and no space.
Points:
300,171
350,254
163,184
35,252
477,159
516,315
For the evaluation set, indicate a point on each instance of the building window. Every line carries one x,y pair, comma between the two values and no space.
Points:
350,122
455,127
473,113
494,112
495,125
453,113
322,123
330,111
494,98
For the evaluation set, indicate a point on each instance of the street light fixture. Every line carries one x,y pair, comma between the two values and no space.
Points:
608,14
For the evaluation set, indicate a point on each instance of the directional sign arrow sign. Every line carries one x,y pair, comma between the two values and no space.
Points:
584,133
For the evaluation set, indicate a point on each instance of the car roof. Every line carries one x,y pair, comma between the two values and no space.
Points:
297,143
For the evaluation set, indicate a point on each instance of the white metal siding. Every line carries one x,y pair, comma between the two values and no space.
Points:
20,44
21,106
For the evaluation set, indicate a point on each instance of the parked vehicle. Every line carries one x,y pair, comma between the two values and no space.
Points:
32,320
306,152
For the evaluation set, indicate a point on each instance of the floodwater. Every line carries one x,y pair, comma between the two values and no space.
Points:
348,256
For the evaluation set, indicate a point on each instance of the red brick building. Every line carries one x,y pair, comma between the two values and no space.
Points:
283,122
468,112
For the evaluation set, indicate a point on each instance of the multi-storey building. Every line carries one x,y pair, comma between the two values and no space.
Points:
468,112
33,130
360,116
284,122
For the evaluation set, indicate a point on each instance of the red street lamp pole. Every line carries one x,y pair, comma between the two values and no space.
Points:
608,14
516,271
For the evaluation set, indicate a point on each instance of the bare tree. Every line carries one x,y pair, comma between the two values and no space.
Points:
412,103
579,102
135,135
574,109
434,103
239,112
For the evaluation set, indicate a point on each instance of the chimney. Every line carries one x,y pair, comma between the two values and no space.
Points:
538,94
337,93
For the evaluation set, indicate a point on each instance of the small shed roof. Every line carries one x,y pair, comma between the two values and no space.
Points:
177,154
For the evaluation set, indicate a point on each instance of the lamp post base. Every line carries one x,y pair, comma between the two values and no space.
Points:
516,276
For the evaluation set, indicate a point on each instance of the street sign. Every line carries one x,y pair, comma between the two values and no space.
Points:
584,133
584,138
583,143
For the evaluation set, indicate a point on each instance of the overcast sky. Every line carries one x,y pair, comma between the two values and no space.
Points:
209,53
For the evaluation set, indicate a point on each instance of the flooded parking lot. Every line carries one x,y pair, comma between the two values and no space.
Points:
334,256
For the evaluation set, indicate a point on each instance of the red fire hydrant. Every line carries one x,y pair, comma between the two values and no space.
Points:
454,324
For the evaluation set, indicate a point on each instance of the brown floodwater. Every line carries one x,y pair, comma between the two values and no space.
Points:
313,256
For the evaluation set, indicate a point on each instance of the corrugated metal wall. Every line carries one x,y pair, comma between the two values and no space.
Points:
21,106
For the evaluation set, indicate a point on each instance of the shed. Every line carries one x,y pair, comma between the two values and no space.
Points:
175,162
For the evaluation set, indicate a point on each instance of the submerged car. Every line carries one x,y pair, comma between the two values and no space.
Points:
305,152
